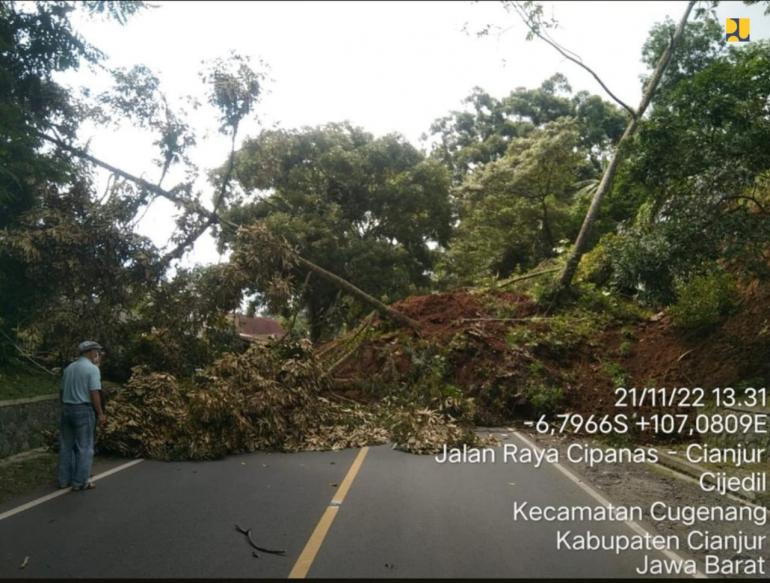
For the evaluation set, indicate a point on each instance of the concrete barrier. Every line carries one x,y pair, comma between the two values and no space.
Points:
22,422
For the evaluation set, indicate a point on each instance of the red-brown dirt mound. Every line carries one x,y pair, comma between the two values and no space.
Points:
467,329
443,315
737,351
498,349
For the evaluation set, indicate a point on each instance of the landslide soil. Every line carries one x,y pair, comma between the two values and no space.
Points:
735,352
468,330
480,334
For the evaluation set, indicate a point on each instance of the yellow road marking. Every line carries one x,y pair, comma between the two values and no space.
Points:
313,545
305,561
342,491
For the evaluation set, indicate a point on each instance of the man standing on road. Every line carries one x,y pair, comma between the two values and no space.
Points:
81,406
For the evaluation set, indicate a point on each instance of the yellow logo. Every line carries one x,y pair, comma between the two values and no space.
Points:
737,30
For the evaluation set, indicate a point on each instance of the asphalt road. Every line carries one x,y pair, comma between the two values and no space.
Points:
404,516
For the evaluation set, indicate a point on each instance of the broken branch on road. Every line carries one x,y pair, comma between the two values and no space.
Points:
247,532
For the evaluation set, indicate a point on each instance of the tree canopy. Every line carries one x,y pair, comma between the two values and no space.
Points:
45,206
515,211
470,138
368,209
701,164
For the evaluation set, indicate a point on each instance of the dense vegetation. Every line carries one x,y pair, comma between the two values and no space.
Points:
502,191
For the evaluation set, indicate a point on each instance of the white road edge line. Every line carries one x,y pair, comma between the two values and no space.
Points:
58,493
632,524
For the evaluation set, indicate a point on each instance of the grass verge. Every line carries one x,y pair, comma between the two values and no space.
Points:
20,382
27,475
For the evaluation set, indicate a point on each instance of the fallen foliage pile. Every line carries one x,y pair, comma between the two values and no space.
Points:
427,430
481,358
272,397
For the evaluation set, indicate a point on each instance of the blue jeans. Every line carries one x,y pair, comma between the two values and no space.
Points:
76,444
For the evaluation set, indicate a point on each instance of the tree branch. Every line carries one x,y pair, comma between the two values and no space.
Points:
565,278
25,355
762,209
534,29
527,276
360,294
167,194
214,217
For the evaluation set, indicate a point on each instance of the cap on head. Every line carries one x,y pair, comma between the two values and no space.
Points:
88,345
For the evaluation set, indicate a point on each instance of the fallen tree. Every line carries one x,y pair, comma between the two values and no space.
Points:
176,195
532,16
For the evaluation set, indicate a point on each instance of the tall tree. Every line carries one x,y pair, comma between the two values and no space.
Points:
36,42
82,267
367,209
515,211
470,138
700,158
43,157
532,16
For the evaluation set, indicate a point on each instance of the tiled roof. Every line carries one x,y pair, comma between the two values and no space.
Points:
257,326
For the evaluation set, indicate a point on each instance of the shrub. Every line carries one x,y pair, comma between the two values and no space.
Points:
643,264
596,265
544,399
591,298
617,373
702,301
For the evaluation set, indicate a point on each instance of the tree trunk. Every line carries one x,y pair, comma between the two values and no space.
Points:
547,230
565,279
314,317
360,294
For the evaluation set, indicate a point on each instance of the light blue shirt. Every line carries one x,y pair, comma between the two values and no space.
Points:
80,377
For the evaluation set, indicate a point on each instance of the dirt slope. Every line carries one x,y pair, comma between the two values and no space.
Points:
517,361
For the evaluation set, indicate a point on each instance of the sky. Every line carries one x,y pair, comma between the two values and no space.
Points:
385,66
